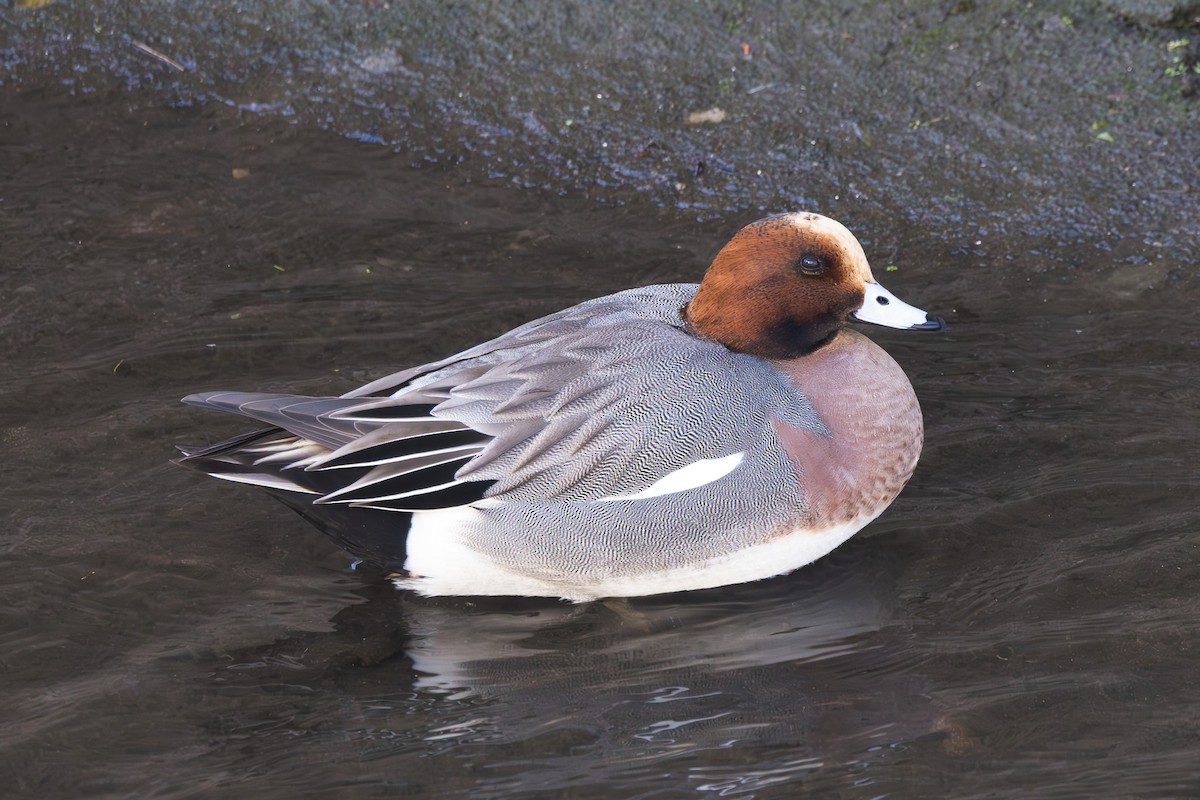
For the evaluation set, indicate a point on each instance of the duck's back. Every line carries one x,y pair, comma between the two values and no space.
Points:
566,428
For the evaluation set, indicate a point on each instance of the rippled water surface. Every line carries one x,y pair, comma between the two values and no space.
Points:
1024,620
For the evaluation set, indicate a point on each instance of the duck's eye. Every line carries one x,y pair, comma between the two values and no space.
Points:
811,265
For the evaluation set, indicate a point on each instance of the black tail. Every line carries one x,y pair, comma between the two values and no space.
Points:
377,537
374,535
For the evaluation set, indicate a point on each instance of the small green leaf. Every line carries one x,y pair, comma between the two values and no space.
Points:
278,268
1104,136
891,268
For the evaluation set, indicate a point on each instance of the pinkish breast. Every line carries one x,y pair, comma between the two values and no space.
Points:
875,430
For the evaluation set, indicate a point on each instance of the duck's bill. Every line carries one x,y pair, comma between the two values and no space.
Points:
881,307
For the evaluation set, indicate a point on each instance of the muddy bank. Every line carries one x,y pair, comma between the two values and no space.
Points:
1006,129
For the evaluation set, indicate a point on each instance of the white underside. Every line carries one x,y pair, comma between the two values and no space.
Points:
440,563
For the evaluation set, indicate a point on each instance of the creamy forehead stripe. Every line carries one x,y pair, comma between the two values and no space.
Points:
815,224
694,475
818,224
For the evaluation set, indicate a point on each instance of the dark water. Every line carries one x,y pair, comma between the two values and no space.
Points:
1023,621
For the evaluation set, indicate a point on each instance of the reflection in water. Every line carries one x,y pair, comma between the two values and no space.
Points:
719,692
720,634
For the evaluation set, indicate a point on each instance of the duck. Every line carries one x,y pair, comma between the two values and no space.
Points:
661,439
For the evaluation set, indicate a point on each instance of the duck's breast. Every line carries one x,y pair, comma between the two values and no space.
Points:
874,430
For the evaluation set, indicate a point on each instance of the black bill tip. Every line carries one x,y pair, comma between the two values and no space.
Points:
931,323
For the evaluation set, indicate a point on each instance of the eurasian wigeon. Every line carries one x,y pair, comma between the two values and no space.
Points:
661,439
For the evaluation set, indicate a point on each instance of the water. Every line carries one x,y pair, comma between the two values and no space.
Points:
1023,620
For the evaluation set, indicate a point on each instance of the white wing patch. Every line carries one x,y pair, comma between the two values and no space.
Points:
694,475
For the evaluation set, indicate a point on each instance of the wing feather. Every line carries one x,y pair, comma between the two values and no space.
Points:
392,482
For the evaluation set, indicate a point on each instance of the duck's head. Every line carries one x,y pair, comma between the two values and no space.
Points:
784,285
